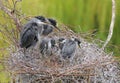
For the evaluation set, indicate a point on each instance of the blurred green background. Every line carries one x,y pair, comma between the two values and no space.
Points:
84,16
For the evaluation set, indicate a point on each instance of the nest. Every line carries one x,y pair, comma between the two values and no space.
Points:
89,65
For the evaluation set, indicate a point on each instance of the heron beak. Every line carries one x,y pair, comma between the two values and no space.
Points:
46,22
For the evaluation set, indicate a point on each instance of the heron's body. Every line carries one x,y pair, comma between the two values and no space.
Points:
46,46
68,47
29,36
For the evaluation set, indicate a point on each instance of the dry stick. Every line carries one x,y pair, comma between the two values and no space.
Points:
12,15
111,25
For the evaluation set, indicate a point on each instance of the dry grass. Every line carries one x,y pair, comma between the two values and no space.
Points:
89,65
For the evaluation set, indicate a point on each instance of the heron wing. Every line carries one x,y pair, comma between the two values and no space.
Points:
68,49
43,46
28,36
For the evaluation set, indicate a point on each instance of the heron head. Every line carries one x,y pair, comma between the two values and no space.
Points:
78,41
61,40
53,42
53,23
41,18
48,21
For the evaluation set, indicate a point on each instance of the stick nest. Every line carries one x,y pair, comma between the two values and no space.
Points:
89,65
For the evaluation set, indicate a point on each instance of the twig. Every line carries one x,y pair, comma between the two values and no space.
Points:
111,25
12,15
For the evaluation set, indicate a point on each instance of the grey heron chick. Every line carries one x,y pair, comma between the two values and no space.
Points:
68,47
31,30
47,46
28,36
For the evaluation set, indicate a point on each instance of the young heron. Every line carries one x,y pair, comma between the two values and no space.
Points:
34,29
68,47
48,46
